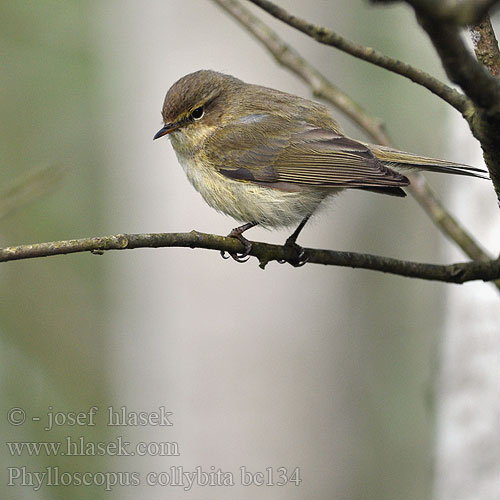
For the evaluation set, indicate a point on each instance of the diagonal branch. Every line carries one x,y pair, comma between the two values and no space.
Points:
328,37
428,200
454,273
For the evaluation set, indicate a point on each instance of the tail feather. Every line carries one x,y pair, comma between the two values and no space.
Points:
400,160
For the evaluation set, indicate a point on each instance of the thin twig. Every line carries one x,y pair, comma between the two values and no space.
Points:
328,37
430,203
453,273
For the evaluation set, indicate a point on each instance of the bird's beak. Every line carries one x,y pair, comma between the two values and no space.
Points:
169,127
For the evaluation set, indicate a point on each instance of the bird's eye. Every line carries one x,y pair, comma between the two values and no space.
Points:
197,113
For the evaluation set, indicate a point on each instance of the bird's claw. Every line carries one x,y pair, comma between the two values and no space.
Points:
299,259
238,257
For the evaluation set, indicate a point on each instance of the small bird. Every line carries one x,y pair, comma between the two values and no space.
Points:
270,158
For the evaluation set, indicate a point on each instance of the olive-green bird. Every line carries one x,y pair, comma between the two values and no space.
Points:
270,158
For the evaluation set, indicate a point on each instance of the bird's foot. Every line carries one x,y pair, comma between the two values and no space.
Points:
300,258
238,257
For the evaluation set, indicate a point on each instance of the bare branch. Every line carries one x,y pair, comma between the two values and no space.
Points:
444,220
453,273
328,37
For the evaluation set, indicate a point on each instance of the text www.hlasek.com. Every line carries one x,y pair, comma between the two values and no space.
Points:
80,447
175,477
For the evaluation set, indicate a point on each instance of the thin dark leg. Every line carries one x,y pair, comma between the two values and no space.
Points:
290,242
301,258
237,233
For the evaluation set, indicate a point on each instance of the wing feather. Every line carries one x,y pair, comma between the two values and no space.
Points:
301,154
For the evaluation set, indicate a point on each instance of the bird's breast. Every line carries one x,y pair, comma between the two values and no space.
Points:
248,201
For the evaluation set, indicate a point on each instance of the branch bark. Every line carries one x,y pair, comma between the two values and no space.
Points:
454,273
486,45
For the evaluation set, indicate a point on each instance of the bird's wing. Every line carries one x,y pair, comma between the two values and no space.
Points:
305,155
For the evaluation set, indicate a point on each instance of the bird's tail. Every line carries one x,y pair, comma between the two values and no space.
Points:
399,160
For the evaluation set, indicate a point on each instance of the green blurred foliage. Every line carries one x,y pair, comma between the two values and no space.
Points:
50,312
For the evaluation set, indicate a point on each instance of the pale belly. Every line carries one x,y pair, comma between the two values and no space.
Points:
249,202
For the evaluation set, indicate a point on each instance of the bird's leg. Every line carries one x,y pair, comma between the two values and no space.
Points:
301,258
237,233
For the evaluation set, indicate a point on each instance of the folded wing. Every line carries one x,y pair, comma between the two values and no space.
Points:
302,155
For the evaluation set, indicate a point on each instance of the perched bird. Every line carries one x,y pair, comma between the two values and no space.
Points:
269,158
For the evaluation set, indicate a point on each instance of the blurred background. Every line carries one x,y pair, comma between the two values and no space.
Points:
331,371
